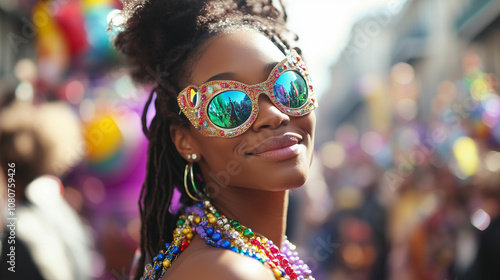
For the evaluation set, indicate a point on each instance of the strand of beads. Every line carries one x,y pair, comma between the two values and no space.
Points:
302,269
241,239
220,232
183,235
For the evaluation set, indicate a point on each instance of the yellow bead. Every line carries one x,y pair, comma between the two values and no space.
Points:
166,263
197,219
189,236
186,230
212,220
277,273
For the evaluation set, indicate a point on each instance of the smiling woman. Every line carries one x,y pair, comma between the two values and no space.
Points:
233,133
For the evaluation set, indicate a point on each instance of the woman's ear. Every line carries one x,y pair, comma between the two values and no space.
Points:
184,142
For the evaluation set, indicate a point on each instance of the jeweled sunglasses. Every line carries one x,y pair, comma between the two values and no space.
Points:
226,108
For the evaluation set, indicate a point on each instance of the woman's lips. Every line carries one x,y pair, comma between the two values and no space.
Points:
278,148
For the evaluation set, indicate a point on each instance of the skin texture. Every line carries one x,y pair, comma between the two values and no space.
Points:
249,188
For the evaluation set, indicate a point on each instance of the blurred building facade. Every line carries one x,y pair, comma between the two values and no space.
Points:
411,86
431,36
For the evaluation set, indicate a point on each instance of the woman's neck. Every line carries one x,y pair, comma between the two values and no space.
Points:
264,212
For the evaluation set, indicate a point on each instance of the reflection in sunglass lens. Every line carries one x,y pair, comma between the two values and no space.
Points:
291,89
230,109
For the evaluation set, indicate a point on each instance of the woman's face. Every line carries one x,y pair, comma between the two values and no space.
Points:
276,151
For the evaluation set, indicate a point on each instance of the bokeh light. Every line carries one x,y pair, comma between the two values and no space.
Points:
492,161
372,142
332,154
25,91
94,190
466,154
480,219
403,73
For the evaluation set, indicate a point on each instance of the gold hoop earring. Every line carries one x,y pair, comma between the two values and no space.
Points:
189,168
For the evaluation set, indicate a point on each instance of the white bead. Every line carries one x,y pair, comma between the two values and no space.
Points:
194,156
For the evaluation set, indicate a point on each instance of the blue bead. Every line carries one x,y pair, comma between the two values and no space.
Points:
157,267
161,256
208,240
247,254
170,257
155,258
176,250
209,231
200,204
234,249
225,244
167,245
216,237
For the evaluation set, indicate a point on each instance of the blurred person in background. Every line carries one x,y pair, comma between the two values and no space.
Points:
51,242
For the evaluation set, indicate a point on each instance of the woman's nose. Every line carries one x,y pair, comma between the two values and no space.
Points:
269,115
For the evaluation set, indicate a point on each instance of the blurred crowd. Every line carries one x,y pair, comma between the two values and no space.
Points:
404,193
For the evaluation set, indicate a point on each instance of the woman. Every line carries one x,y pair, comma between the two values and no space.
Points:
233,177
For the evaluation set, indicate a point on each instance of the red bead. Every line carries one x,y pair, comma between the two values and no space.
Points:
288,271
285,262
274,250
224,85
184,245
293,275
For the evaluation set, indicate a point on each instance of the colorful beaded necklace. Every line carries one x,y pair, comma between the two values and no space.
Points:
220,232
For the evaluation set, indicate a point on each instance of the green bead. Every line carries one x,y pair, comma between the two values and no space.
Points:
180,222
234,223
216,214
248,232
238,228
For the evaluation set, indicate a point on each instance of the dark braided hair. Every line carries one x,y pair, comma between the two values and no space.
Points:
161,39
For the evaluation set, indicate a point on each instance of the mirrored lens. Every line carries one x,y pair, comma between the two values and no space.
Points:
291,89
230,109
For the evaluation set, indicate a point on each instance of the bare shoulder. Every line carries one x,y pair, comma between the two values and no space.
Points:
201,261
